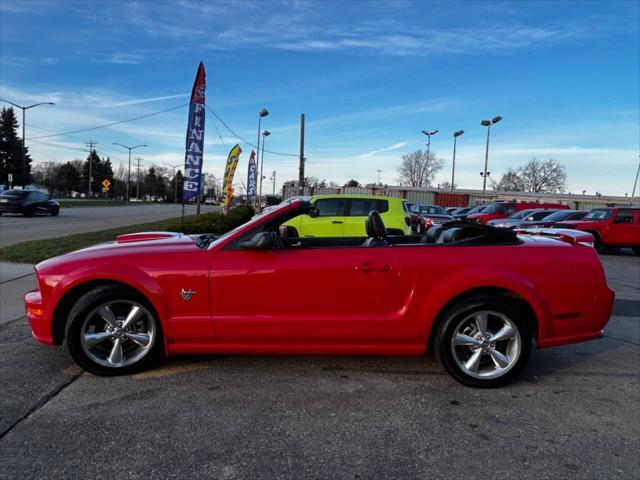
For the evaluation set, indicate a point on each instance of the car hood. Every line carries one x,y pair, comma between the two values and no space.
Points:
126,245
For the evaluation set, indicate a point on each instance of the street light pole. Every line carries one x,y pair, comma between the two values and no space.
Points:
428,134
175,181
129,171
24,140
265,134
453,166
263,113
487,123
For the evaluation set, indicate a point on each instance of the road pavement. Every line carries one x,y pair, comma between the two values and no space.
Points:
16,228
573,413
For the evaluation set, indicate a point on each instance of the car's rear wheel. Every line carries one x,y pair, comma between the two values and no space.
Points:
483,342
113,331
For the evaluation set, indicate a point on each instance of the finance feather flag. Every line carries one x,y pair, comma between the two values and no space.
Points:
227,181
195,138
252,177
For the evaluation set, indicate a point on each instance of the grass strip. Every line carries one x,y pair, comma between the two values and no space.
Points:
35,251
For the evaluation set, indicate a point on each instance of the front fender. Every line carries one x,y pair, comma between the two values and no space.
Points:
123,273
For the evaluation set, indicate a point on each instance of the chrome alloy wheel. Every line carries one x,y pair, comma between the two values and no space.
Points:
486,344
118,333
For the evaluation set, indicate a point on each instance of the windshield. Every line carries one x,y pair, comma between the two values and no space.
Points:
255,219
557,216
432,210
477,209
15,193
599,215
494,208
521,214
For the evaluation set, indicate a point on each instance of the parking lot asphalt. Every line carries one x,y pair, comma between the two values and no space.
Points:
573,413
16,228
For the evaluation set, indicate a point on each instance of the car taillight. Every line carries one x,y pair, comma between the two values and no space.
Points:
407,220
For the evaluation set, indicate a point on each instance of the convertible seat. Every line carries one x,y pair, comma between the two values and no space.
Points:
376,231
432,234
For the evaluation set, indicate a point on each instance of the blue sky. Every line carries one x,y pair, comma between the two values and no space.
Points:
368,75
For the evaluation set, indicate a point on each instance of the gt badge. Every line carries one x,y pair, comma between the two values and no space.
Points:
187,294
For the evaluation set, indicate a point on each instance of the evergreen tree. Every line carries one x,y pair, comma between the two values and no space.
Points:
172,188
68,178
96,181
11,150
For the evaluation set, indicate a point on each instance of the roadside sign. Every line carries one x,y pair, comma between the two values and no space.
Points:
10,177
105,185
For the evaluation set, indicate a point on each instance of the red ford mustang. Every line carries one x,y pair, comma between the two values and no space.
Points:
476,295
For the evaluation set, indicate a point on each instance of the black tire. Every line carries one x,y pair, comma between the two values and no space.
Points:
444,349
85,306
55,212
636,250
597,243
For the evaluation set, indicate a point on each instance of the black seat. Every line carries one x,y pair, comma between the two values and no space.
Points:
376,231
452,235
432,234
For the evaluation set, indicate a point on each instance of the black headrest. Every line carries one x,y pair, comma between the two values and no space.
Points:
432,234
452,235
375,226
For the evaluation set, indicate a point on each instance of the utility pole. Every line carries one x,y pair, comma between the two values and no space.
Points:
301,167
90,144
273,180
138,179
379,172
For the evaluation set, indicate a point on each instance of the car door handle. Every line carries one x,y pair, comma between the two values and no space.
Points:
336,221
368,267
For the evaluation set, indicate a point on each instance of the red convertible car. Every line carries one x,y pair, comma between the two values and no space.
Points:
476,295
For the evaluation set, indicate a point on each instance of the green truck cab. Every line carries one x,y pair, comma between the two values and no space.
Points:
344,216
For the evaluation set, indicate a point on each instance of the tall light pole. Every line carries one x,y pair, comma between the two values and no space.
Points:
129,172
428,134
453,166
485,174
273,181
265,134
175,181
263,113
24,140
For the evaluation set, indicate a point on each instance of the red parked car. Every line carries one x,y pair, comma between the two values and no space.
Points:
506,209
486,296
610,227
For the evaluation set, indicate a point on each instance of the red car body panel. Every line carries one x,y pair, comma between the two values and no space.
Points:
509,208
333,300
610,232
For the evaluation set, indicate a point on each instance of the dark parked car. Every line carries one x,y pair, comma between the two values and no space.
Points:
462,215
432,215
555,217
28,203
417,222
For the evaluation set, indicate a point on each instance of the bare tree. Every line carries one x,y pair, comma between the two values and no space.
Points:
538,176
509,182
544,176
418,169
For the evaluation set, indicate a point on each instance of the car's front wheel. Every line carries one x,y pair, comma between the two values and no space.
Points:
112,331
483,342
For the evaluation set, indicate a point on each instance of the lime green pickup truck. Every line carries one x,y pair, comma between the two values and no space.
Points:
344,216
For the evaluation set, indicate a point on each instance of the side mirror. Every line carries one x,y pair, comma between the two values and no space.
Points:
260,241
314,212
